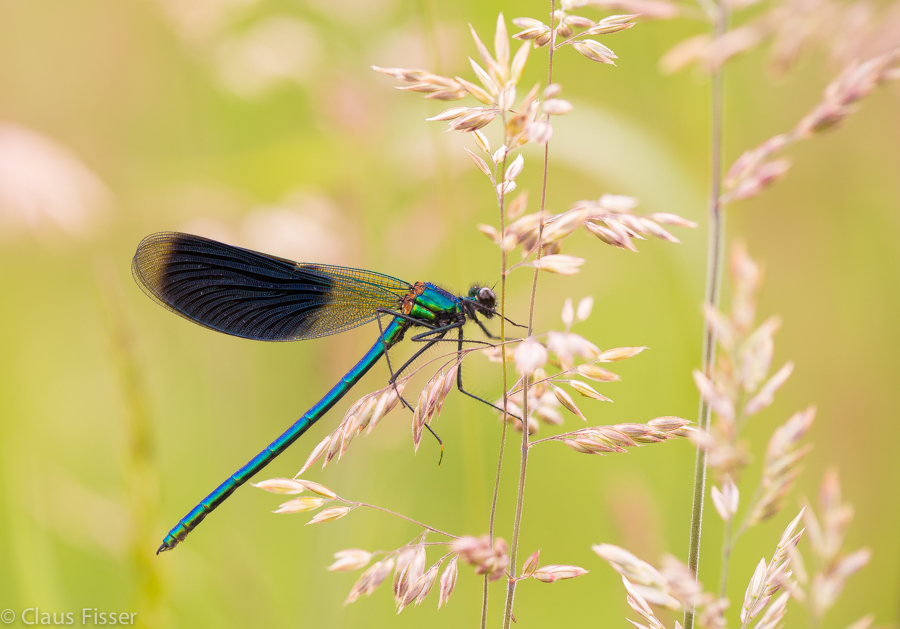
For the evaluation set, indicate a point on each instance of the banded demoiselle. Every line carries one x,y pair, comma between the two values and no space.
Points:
259,296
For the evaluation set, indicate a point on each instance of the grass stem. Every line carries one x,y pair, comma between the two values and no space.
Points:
523,464
503,264
715,255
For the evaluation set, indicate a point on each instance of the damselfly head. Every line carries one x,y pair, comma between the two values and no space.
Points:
484,297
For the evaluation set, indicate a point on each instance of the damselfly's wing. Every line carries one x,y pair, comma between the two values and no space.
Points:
257,296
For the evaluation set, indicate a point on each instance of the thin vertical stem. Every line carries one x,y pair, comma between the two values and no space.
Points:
715,255
503,264
523,465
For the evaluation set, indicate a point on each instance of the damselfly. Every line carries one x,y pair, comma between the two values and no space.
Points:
258,296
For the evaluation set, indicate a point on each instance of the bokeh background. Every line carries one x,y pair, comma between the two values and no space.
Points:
259,122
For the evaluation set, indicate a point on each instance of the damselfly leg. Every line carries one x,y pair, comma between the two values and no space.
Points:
429,343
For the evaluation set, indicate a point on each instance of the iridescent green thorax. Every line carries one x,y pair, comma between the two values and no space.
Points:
428,302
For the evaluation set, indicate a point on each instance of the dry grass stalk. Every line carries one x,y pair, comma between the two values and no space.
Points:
847,32
431,401
673,587
561,349
363,414
606,439
791,25
412,582
826,535
609,218
756,169
768,579
740,386
537,234
647,9
490,558
782,466
526,123
566,24
640,605
368,411
497,76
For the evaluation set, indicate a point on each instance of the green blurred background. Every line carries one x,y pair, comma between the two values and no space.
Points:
258,121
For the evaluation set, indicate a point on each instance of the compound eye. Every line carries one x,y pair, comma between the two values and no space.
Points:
487,298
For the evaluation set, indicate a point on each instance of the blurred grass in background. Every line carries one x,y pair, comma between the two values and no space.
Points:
259,122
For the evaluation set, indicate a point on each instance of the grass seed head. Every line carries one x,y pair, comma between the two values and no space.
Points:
594,372
280,486
559,264
350,559
554,572
488,559
448,581
529,356
299,505
588,391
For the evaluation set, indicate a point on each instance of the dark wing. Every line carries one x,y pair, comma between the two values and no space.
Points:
257,296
